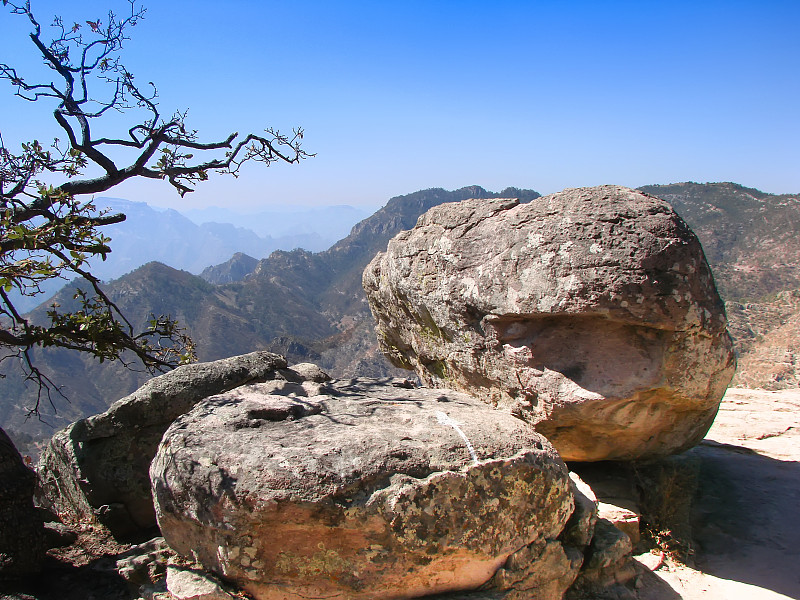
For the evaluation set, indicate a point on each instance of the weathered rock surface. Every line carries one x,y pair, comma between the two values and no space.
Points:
361,489
189,584
22,534
608,561
145,563
97,468
623,518
580,528
591,313
543,570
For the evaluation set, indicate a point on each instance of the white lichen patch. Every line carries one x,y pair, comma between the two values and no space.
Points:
470,288
535,240
570,284
442,244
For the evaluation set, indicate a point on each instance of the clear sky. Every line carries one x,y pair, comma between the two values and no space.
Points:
407,95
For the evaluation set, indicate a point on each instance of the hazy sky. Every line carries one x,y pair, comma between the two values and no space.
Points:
401,96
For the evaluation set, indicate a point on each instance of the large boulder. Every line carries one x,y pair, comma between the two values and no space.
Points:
362,489
22,534
97,468
591,313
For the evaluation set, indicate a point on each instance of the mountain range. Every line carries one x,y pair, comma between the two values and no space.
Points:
326,224
209,237
751,239
310,306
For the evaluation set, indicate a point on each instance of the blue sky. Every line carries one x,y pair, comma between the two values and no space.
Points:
401,96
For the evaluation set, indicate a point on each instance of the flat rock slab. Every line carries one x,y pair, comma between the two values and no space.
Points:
355,489
592,313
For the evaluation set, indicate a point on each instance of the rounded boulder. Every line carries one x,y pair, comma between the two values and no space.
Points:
591,313
355,489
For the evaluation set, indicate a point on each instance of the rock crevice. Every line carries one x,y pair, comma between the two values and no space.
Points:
381,491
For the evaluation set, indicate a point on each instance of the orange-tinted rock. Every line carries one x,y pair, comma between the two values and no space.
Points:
591,313
357,489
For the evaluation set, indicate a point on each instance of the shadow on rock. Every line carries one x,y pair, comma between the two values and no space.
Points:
744,517
64,581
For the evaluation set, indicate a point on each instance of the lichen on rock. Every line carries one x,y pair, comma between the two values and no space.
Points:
590,313
363,488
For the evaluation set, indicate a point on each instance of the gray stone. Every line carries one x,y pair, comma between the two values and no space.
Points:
542,570
581,525
607,564
58,535
96,469
591,313
609,546
623,518
194,584
145,563
305,372
361,488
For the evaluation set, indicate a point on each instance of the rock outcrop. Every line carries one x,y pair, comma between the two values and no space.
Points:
767,339
22,533
590,313
97,468
364,489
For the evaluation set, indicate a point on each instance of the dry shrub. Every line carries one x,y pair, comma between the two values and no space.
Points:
667,488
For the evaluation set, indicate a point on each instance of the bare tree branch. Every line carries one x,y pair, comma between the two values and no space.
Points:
46,232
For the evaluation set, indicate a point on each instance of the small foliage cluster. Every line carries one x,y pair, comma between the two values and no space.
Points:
667,490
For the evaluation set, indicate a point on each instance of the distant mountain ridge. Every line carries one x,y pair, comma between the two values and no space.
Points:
310,306
307,305
167,236
329,223
768,339
750,238
239,266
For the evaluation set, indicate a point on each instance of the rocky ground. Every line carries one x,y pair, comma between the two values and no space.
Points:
744,530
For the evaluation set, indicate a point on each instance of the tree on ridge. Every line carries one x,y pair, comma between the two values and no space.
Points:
47,231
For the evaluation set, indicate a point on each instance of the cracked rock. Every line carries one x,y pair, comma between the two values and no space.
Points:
591,313
360,488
